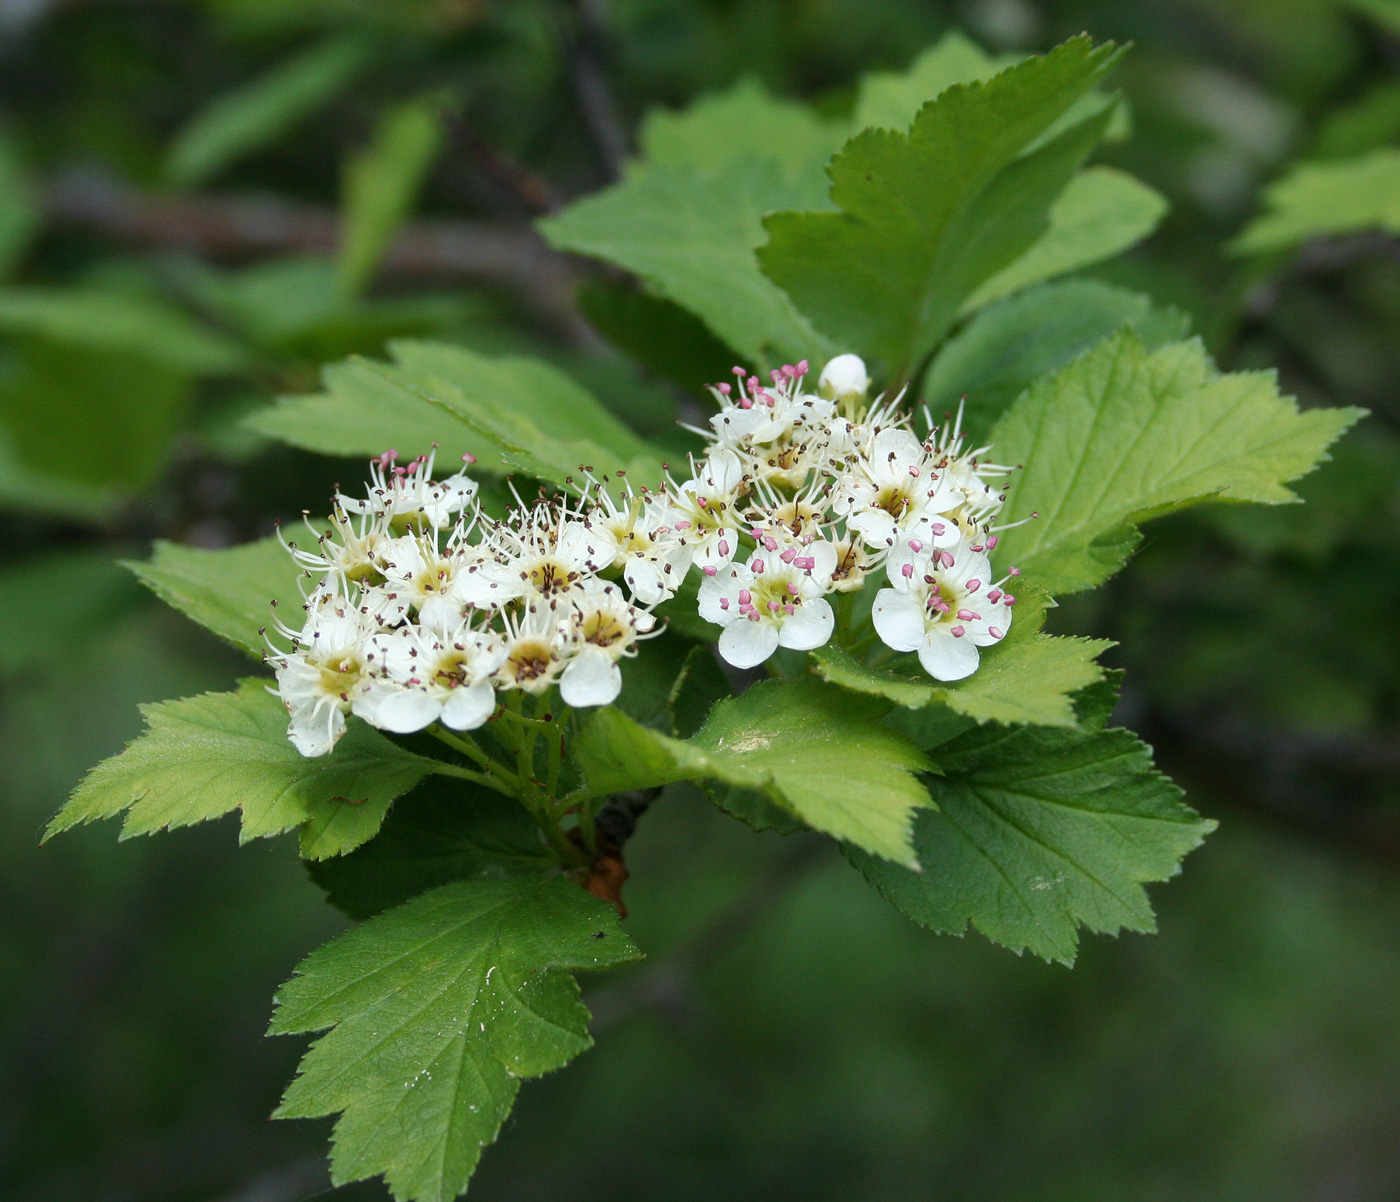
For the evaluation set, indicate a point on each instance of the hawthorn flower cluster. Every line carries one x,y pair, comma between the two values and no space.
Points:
425,609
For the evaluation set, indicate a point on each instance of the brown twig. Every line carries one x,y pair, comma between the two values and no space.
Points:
533,191
588,57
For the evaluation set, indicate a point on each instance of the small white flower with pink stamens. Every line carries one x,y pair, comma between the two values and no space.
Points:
422,675
891,490
707,509
774,599
652,556
408,497
539,555
942,604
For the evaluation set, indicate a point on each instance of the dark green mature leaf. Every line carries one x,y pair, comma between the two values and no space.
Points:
1038,831
812,749
260,111
928,217
510,412
443,830
1008,346
1122,435
1316,200
437,1010
1027,677
382,184
206,756
234,592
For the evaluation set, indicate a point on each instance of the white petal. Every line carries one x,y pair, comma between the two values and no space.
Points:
439,612
844,376
809,627
466,709
824,553
747,644
646,581
875,526
314,729
899,620
723,586
398,708
590,678
947,658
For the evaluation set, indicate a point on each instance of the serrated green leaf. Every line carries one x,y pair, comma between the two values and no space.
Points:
260,111
512,413
892,99
1005,348
1038,831
207,756
233,592
1121,435
442,831
1028,677
437,1010
1316,200
1101,213
888,274
382,184
814,750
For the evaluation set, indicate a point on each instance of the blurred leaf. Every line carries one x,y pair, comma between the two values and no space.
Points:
233,592
19,210
1027,677
1101,213
888,274
892,99
271,302
512,413
438,1009
28,489
442,831
262,110
1038,831
795,741
1006,347
56,604
206,756
1369,123
1120,436
1384,12
1321,199
119,322
382,185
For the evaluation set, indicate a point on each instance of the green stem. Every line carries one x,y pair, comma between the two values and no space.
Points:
505,787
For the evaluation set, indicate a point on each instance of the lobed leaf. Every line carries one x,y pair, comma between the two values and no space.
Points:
437,1009
206,756
1122,435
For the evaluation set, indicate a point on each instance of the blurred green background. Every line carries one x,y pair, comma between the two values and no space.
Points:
168,263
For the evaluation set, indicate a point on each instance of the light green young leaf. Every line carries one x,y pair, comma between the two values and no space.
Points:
1028,677
1121,435
1100,214
382,184
260,111
438,1009
691,236
206,756
1038,831
511,413
1005,348
233,592
888,274
794,741
892,99
1316,200
19,209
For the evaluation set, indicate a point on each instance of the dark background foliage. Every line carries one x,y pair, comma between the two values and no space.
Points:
791,1035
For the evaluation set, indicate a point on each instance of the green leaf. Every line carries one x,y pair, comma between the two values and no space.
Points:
233,592
55,603
1366,124
892,99
262,110
107,320
691,236
1122,435
206,756
1315,200
437,1010
1005,348
1038,831
813,750
1028,677
382,184
888,274
442,831
19,209
1101,213
510,412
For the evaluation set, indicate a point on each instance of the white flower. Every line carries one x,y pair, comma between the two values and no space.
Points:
774,600
350,551
539,556
408,498
605,629
708,505
538,644
942,605
843,377
891,490
652,556
422,675
964,472
324,673
422,580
